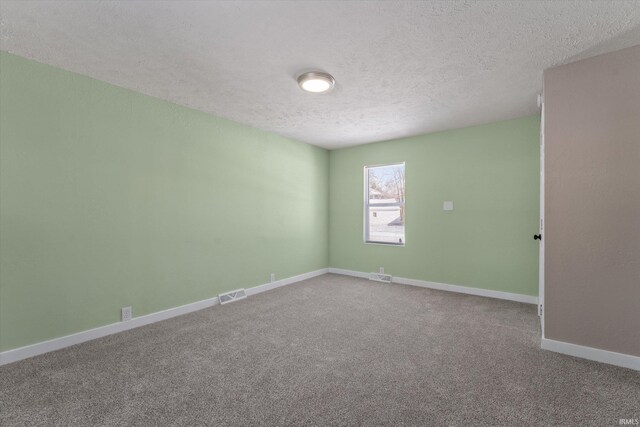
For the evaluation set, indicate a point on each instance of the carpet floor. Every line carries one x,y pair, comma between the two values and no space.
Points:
332,350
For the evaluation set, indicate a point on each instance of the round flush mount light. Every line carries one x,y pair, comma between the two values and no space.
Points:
316,82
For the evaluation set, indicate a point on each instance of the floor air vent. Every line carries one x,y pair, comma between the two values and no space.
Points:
232,296
379,277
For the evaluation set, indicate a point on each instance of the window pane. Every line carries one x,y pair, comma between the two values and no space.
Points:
386,184
386,224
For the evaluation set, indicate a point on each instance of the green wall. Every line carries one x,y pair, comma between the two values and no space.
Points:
490,172
110,198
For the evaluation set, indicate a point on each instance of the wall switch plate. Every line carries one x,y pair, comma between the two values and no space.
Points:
381,270
447,206
272,277
126,314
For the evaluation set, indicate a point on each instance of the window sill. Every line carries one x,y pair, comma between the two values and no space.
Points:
401,245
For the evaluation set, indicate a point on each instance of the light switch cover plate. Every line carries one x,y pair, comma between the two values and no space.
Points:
447,206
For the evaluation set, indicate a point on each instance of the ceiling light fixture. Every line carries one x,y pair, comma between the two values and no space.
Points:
316,81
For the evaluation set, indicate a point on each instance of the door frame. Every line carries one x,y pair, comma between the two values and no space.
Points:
541,310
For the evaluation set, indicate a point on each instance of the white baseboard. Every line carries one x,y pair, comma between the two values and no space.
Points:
287,281
598,355
25,352
352,273
595,354
446,287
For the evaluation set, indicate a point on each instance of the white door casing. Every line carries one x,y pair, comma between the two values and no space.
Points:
541,311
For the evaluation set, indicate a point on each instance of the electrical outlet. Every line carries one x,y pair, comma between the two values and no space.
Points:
272,277
126,314
381,270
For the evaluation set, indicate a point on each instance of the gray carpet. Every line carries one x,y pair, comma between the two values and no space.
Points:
328,351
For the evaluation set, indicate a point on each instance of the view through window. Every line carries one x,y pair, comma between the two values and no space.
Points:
384,204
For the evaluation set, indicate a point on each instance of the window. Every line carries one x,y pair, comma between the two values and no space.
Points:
384,211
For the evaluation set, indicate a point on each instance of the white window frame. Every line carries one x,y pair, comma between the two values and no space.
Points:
367,205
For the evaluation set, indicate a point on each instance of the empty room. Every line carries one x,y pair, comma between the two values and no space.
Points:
322,213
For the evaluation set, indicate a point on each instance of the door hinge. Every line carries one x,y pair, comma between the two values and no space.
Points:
540,310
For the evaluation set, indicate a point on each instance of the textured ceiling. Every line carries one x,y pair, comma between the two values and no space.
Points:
402,68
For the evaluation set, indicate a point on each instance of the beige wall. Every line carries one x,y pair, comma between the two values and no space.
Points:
592,202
